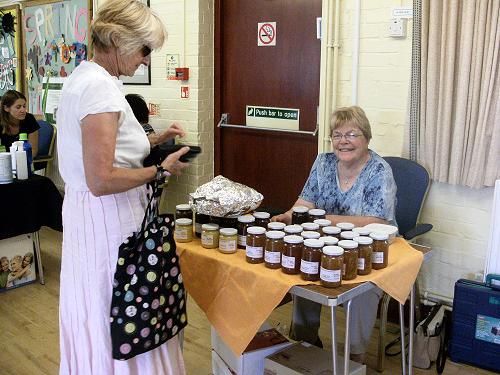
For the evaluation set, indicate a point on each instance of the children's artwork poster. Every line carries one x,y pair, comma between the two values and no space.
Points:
56,37
17,262
10,49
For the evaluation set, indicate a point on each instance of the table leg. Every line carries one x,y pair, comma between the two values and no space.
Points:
411,327
36,240
347,341
333,325
402,332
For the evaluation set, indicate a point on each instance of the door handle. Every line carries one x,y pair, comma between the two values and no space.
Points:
224,119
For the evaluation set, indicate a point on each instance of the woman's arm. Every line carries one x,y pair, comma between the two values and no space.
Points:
358,221
287,216
99,142
33,139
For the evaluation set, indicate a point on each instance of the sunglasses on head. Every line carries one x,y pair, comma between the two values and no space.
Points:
146,51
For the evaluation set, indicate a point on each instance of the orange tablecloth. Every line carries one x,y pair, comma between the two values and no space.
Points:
237,296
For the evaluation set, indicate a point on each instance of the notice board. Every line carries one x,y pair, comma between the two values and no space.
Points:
56,37
10,49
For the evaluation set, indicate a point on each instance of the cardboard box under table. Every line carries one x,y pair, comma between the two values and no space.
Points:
237,296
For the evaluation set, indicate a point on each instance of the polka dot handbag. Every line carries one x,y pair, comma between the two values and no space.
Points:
149,301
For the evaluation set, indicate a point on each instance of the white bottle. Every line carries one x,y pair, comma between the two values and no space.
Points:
13,150
21,165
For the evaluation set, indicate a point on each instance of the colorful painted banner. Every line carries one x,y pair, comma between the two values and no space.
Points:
10,50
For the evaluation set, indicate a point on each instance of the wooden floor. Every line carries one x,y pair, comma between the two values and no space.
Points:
29,327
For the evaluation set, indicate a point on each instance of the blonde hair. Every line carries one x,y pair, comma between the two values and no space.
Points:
127,25
351,115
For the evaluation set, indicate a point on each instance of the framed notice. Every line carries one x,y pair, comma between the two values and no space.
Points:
10,49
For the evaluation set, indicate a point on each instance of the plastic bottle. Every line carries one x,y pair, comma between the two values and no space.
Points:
29,151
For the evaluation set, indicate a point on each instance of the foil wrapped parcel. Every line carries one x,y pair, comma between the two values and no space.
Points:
224,198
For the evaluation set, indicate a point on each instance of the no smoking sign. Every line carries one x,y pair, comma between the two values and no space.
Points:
266,34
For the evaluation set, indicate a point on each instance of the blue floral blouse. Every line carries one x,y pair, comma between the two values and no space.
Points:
372,194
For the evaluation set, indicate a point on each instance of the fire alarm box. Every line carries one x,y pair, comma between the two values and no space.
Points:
182,74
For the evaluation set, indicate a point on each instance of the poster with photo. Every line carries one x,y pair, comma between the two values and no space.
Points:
17,262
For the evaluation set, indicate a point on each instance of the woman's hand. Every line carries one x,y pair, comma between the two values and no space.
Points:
284,218
172,163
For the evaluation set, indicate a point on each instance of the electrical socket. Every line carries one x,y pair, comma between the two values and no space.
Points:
397,28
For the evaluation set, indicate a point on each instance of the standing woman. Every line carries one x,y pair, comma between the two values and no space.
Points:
101,148
14,120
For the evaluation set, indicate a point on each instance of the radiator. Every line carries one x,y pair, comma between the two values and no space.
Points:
53,172
493,254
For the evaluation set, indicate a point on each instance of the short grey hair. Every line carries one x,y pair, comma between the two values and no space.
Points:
127,25
351,115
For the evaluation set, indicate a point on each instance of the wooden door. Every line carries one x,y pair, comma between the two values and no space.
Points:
286,75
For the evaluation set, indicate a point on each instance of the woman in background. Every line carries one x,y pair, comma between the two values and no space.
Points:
14,120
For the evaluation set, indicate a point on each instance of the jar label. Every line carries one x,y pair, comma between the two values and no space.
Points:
255,251
181,233
361,264
378,257
331,276
311,268
242,240
272,256
207,239
287,262
343,269
227,245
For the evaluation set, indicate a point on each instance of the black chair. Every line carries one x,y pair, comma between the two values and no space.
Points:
412,181
46,141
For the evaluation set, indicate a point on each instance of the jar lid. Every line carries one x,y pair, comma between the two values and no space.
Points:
313,242
323,222
293,239
362,240
362,231
345,226
183,207
246,219
228,231
210,226
295,228
329,240
348,244
275,234
184,222
317,212
348,235
379,236
300,209
256,230
276,225
310,226
310,234
261,215
331,230
333,250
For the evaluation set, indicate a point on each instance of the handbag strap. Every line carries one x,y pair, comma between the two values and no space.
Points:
152,209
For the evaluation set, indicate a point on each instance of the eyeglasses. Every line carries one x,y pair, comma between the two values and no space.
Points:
146,51
351,136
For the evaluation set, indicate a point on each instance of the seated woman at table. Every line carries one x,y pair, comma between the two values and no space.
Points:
352,184
14,120
141,113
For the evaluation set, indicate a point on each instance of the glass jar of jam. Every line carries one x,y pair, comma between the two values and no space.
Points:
365,250
330,240
294,229
230,222
316,213
362,231
350,270
273,249
244,222
299,214
310,226
227,240
348,235
262,218
256,241
331,231
292,254
311,259
276,225
380,255
330,273
183,211
345,226
309,234
183,230
322,223
200,219
210,236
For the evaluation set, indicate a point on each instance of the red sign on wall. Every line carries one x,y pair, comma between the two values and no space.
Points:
184,92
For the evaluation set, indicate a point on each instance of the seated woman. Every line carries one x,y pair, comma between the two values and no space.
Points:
352,184
14,120
141,113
